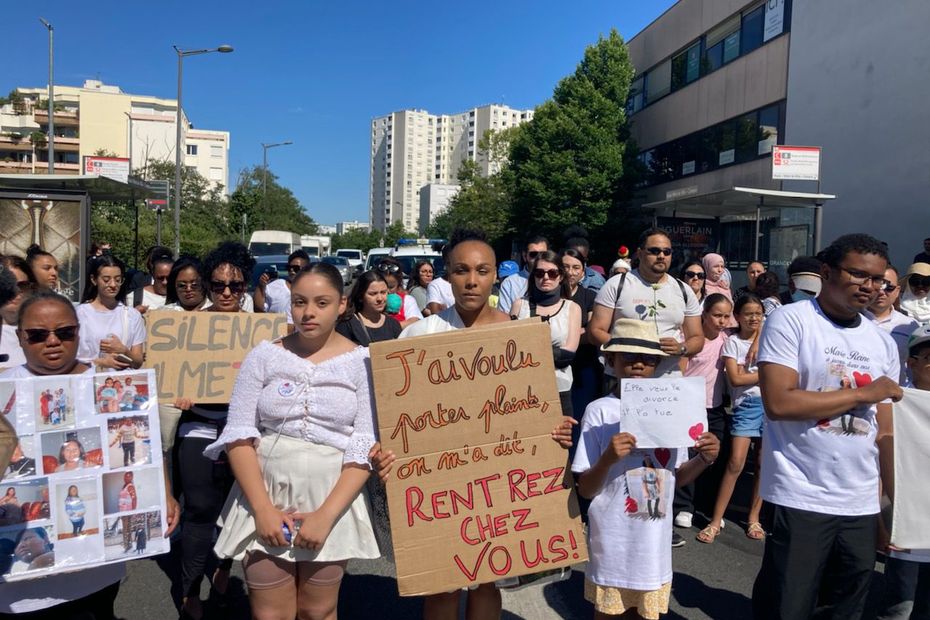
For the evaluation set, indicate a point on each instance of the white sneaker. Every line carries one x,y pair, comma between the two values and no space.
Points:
683,519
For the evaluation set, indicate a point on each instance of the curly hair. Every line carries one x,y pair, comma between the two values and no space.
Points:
858,243
229,253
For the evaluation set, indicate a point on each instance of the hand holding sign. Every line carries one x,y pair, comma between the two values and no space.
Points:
664,413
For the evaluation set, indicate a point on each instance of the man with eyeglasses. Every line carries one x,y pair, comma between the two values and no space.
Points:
828,376
514,287
897,324
649,293
275,295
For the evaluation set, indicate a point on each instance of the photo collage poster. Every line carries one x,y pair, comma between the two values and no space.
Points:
85,485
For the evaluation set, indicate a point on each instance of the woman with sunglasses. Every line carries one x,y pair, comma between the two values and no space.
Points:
185,290
419,282
275,295
48,332
364,320
202,481
25,285
112,333
407,311
693,275
915,298
548,295
153,296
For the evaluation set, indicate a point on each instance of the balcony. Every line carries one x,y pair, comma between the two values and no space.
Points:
62,119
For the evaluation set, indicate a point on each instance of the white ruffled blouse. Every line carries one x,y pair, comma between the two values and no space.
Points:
329,403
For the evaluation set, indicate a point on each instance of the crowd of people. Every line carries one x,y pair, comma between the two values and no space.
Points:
800,379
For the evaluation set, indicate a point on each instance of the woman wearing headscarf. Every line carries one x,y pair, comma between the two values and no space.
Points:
915,298
714,267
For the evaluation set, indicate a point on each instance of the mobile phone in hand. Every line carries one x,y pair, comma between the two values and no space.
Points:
123,358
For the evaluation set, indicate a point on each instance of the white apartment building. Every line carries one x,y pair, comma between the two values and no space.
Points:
344,227
413,148
434,198
101,117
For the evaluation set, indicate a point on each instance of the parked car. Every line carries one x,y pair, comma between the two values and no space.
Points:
342,264
356,258
374,257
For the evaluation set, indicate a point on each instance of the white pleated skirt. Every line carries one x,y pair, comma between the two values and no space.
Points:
299,476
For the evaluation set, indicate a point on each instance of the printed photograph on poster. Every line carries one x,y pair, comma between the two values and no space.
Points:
131,490
78,509
121,393
131,535
26,549
128,441
8,399
24,501
54,403
71,450
23,462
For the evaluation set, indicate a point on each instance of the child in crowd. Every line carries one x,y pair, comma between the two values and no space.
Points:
907,572
630,567
708,365
747,417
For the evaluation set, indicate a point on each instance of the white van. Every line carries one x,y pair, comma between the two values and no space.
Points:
268,242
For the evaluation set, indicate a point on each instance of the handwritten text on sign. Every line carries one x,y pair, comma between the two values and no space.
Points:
664,413
197,355
478,491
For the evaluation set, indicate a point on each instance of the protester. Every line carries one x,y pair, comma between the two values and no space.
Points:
185,286
112,334
746,423
152,296
621,265
767,289
708,365
576,239
923,257
548,296
630,563
825,373
649,293
139,278
514,287
44,265
804,279
753,270
364,320
898,325
406,311
693,275
48,332
915,300
714,267
274,295
19,271
420,278
439,292
299,433
205,482
907,571
587,373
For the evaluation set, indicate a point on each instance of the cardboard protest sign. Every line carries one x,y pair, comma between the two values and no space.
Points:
197,354
479,491
911,463
664,412
85,486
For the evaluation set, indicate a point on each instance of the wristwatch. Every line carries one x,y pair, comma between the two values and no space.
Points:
682,349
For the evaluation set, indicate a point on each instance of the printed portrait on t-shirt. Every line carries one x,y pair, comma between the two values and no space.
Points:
647,486
857,421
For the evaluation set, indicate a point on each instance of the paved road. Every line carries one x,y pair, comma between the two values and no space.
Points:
711,582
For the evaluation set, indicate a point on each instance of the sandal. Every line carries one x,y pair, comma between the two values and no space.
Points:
708,534
754,531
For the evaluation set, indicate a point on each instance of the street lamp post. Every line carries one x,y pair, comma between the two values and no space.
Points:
51,95
223,49
265,148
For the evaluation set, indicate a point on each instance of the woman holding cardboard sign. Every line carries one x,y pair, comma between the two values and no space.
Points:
299,433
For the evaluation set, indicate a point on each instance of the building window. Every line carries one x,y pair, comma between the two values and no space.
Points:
715,42
635,101
216,174
192,149
751,31
686,66
658,82
216,151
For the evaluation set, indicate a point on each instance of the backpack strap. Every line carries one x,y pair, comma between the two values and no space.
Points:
619,288
684,293
137,296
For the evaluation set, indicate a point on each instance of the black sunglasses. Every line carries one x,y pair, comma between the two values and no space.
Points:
236,287
38,335
540,273
533,255
294,268
695,274
919,282
657,251
388,268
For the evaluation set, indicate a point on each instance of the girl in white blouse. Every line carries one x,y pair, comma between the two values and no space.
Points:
298,435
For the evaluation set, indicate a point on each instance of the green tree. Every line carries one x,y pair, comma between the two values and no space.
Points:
482,202
357,239
394,232
281,210
572,163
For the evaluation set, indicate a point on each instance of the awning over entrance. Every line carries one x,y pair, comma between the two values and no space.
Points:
740,203
98,188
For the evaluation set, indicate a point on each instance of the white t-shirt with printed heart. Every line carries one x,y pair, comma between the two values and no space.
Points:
828,466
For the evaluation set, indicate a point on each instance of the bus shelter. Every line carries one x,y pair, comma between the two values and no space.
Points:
743,224
53,211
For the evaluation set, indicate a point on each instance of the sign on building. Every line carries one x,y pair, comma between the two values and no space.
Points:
116,168
801,163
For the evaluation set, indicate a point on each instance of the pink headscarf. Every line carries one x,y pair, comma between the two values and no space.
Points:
715,286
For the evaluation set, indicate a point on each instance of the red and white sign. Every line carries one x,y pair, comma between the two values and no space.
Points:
156,204
116,168
796,163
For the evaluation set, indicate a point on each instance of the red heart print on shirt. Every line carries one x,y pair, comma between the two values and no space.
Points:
862,379
695,431
662,456
631,505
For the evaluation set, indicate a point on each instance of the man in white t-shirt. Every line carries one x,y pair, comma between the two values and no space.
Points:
650,294
897,324
514,287
275,295
828,376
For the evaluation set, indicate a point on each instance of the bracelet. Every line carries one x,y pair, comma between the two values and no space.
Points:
706,462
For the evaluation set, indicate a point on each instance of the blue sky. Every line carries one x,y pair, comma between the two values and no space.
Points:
316,73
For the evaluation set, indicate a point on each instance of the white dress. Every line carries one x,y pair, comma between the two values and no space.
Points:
307,420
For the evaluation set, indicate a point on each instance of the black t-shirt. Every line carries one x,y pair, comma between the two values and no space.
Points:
354,330
586,355
923,257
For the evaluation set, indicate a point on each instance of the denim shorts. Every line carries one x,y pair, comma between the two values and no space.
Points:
747,418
